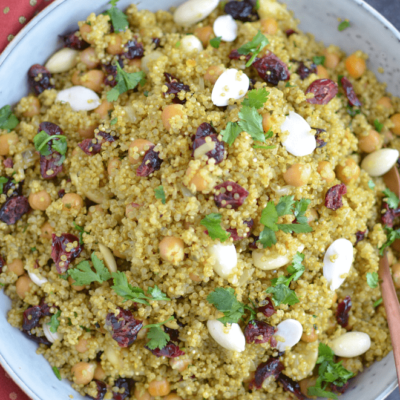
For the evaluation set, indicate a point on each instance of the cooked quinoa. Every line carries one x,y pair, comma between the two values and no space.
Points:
151,227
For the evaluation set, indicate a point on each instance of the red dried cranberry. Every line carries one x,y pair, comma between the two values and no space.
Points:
229,195
151,162
157,42
204,130
340,389
12,188
13,209
93,146
49,165
123,383
350,93
252,83
51,129
171,350
291,386
8,162
61,193
390,214
218,153
73,41
235,55
290,32
320,142
256,328
324,91
100,353
333,197
278,70
59,245
174,87
271,367
2,264
274,343
234,234
44,308
253,244
241,10
304,72
173,333
134,50
39,78
268,309
101,390
342,312
111,72
360,235
31,319
37,339
124,327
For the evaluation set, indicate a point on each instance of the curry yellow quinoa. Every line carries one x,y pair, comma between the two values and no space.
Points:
112,206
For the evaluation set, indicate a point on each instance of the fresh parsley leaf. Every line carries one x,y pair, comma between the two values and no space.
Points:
378,125
114,121
352,111
119,20
85,329
33,249
256,98
215,42
59,144
8,120
254,46
371,184
224,300
81,231
314,316
391,199
269,216
288,84
300,210
160,194
281,294
251,122
213,224
257,6
146,93
285,205
231,132
378,302
318,60
296,269
391,236
343,25
372,279
57,373
339,80
3,180
296,228
158,338
256,146
315,391
157,294
177,44
83,275
267,237
54,322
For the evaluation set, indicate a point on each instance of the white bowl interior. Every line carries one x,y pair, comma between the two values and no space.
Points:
369,32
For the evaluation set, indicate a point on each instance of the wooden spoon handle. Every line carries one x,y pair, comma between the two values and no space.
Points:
392,308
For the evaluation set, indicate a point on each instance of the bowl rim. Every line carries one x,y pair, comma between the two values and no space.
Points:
14,44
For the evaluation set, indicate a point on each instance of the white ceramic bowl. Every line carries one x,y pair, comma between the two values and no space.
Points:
369,32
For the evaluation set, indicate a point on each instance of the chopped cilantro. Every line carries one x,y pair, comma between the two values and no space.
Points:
378,302
54,322
256,146
57,373
33,249
177,44
114,121
251,122
352,111
391,236
85,329
314,316
258,42
378,126
215,42
146,93
231,132
2,284
281,294
160,194
59,144
83,274
212,222
64,276
81,231
256,98
288,84
391,199
257,6
318,60
343,25
339,80
371,184
372,279
158,338
8,120
119,20
3,180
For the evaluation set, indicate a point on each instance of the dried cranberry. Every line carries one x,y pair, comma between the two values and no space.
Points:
174,87
204,130
44,308
173,333
342,312
157,42
134,50
37,339
278,70
124,327
252,82
333,197
93,146
241,10
290,32
39,78
32,316
59,246
8,162
256,328
235,55
171,350
151,162
291,386
61,193
123,383
111,72
12,188
340,389
234,234
304,72
268,309
390,214
13,209
324,91
350,93
101,390
2,264
253,244
229,195
274,343
74,41
271,367
360,235
320,143
100,353
218,153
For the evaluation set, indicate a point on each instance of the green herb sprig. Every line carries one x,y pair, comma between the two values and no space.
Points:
212,222
255,46
158,338
8,120
58,144
119,20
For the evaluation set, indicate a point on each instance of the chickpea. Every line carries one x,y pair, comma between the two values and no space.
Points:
250,377
174,112
85,29
331,60
46,231
297,175
129,208
325,170
311,337
113,166
83,372
16,266
204,34
92,79
370,143
103,109
395,118
269,26
396,275
39,200
194,277
23,285
179,364
75,287
99,373
33,107
89,58
348,171
197,180
5,142
83,345
312,215
115,44
76,78
306,383
355,66
322,72
385,102
159,388
173,396
266,122
136,62
88,132
137,150
72,201
172,249
213,73
142,394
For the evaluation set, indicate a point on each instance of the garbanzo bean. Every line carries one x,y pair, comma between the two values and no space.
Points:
322,72
198,180
395,118
5,142
33,107
204,33
172,111
326,171
39,200
87,132
46,231
213,73
75,287
172,249
371,142
16,266
142,394
348,171
311,337
331,60
269,26
89,58
312,215
92,79
297,175
306,383
159,388
266,122
72,201
83,372
179,364
85,29
396,275
23,285
99,373
355,66
83,345
115,44
103,109
113,166
194,277
385,102
137,150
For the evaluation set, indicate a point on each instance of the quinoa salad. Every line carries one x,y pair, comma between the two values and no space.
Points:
193,205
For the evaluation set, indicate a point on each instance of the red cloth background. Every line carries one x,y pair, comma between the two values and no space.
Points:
14,15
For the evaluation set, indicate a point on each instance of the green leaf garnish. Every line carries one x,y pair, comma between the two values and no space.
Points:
256,98
391,236
177,44
315,391
119,20
160,194
83,274
391,199
212,222
371,184
251,122
256,146
8,120
81,231
281,294
54,322
318,60
215,42
343,25
254,46
59,144
57,373
158,338
114,121
231,132
288,84
3,180
378,302
372,279
378,126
